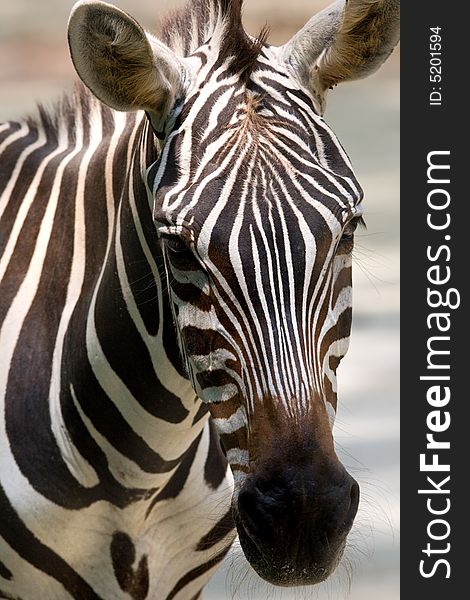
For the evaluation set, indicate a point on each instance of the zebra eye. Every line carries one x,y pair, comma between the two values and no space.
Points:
176,246
348,231
179,254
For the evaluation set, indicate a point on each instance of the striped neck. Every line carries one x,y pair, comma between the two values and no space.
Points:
112,411
142,411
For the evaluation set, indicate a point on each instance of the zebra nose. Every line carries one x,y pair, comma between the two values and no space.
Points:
266,504
293,530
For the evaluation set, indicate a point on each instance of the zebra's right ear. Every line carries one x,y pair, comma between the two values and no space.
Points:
120,63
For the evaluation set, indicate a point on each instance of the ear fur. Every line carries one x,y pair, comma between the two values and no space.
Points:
348,40
120,63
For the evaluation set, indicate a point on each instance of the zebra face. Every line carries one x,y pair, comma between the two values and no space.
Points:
255,205
256,217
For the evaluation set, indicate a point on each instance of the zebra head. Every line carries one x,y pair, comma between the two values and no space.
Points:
255,206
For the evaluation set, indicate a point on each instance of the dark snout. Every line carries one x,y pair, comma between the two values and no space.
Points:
293,522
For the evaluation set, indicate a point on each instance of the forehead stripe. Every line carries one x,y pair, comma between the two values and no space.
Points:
285,347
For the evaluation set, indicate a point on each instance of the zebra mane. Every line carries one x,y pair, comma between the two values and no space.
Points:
187,28
58,117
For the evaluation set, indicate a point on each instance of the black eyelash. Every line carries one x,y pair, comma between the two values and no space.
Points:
175,245
361,223
352,226
179,253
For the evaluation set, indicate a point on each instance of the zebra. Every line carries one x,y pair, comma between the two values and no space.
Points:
175,299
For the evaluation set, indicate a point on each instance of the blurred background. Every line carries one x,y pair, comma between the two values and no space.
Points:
35,66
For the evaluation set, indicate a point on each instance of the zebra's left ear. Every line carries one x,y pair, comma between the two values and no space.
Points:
348,40
120,63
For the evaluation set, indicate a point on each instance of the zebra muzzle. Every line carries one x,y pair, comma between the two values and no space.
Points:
293,524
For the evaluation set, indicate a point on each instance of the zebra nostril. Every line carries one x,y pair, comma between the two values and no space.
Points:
254,516
348,507
354,501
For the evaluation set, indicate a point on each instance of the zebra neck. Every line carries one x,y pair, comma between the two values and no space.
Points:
93,401
127,390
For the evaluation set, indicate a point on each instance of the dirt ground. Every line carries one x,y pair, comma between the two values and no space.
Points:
34,65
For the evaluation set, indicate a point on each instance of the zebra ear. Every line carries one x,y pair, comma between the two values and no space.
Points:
348,40
122,65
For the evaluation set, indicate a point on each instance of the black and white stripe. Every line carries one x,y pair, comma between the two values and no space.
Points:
100,427
166,277
264,209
